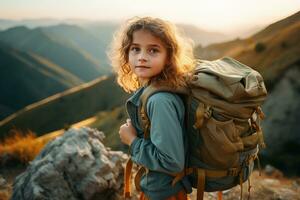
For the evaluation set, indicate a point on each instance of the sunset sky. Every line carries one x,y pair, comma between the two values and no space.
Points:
218,15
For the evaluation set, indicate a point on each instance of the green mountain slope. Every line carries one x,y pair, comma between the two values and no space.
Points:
26,78
73,105
58,50
81,39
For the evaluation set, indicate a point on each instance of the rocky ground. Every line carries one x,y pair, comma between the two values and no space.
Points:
268,186
264,187
80,166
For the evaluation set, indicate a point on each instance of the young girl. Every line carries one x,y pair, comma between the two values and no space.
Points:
149,51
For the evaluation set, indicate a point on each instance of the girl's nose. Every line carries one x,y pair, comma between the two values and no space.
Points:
142,57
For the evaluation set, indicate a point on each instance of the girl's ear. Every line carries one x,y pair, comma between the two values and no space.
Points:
168,62
168,59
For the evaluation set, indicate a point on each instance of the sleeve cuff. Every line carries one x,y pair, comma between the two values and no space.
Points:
132,147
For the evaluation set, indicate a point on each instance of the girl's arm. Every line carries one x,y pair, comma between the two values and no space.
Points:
164,151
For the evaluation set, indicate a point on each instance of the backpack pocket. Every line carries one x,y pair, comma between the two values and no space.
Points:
221,143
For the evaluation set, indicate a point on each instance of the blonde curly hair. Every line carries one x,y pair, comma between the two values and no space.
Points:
179,52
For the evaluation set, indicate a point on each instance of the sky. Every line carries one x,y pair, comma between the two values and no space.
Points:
214,15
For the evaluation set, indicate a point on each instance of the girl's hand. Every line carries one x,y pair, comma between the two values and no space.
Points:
127,133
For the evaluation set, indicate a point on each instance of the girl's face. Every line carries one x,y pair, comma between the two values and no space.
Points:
147,55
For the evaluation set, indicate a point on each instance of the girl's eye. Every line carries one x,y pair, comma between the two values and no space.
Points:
134,49
152,51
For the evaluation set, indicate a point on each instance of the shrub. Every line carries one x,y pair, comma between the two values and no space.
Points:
260,47
21,146
284,45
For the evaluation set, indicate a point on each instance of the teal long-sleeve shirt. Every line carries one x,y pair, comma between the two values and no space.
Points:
164,152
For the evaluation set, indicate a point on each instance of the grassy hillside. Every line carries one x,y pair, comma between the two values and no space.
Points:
63,109
278,26
109,122
280,51
270,51
60,51
26,78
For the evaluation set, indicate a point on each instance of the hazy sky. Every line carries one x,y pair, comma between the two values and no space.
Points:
219,15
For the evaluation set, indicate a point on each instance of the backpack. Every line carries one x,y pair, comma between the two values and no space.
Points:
222,102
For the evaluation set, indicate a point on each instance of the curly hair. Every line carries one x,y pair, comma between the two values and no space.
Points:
179,53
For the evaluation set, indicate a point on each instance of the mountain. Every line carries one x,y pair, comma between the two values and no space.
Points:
31,76
33,23
103,30
68,107
60,51
44,22
7,23
200,36
82,39
276,27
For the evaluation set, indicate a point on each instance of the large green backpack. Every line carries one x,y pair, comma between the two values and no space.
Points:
223,114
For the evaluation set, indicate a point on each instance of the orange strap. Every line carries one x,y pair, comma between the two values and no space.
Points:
201,174
220,195
181,195
200,183
241,183
127,178
138,176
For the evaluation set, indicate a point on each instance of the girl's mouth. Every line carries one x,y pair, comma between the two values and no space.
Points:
144,67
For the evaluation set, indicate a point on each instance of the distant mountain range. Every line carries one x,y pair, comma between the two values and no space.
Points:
60,50
106,28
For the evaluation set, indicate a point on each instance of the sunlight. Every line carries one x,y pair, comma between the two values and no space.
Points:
221,15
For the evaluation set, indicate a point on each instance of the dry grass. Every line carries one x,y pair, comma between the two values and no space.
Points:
22,146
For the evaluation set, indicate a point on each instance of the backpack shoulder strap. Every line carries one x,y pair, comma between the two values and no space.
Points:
147,93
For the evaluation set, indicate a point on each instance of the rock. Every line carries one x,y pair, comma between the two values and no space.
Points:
74,166
272,171
269,169
5,189
2,182
296,184
281,126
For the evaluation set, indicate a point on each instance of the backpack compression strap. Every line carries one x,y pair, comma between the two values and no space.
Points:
202,174
127,178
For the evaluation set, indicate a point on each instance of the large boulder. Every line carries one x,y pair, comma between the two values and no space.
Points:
74,166
5,188
282,124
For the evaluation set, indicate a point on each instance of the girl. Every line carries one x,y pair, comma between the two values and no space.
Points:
149,51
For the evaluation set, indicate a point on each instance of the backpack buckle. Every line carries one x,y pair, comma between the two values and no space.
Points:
207,112
233,171
143,116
